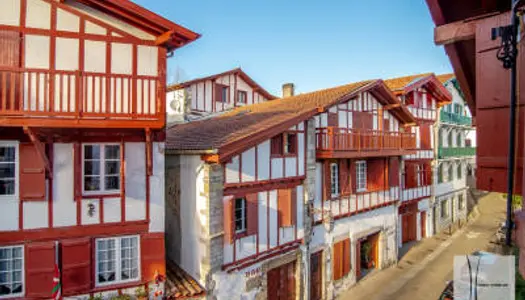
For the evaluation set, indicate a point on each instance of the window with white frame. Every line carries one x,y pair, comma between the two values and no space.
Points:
240,215
334,179
8,170
117,260
11,271
101,168
360,167
444,208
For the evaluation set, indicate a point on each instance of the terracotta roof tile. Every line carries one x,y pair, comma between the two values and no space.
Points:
443,78
396,84
180,284
245,121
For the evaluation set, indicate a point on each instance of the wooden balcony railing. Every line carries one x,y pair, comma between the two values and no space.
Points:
423,113
344,139
73,95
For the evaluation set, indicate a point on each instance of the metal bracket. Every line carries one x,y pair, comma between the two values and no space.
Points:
508,52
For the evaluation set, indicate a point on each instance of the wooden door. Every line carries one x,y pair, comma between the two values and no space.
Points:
281,282
404,228
409,228
9,80
423,224
316,276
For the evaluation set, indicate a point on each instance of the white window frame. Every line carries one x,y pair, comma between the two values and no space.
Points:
22,293
102,190
334,179
118,261
445,203
243,215
361,176
17,172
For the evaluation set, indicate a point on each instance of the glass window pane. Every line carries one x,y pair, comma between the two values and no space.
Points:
7,187
7,154
112,152
112,183
92,167
7,170
112,167
17,252
17,288
92,152
92,183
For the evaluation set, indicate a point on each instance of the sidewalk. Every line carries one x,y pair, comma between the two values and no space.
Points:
433,250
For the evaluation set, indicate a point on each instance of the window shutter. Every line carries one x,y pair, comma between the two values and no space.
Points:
40,269
229,229
327,194
368,120
32,173
428,174
424,131
293,206
277,145
371,175
285,207
336,261
251,214
332,120
77,170
353,179
76,266
346,257
152,256
344,178
293,143
393,172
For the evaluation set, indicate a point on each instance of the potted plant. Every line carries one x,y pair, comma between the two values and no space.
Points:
142,293
367,262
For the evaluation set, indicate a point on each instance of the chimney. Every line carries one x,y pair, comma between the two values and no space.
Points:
288,90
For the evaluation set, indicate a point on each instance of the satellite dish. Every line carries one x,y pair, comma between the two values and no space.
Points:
175,105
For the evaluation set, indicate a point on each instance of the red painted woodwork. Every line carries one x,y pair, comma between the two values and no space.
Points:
376,174
32,173
281,282
251,213
316,276
10,45
327,185
76,266
341,259
277,146
393,171
77,172
332,119
152,255
344,139
353,176
346,257
229,226
344,176
410,175
425,137
423,220
39,269
409,226
287,199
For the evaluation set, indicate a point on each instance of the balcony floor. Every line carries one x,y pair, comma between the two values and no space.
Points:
363,153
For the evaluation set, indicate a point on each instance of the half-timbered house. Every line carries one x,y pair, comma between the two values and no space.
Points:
200,97
82,111
360,142
422,94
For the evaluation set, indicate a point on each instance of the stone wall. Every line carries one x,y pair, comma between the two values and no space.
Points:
172,206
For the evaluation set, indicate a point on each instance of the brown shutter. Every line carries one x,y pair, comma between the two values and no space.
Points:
368,120
411,180
353,176
356,120
284,204
277,145
229,228
375,173
393,171
424,133
344,178
32,173
428,174
336,261
332,120
77,170
40,269
293,208
346,257
152,257
293,143
386,168
327,193
251,214
76,266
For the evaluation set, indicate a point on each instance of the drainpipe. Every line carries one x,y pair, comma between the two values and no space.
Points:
508,53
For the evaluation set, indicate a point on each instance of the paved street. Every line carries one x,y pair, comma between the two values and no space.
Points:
424,270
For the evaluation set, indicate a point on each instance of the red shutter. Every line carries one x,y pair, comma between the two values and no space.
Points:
386,168
77,170
40,269
277,145
356,120
410,175
368,120
327,190
284,199
337,261
293,205
333,120
251,214
346,257
344,178
428,174
229,228
393,171
375,174
76,266
293,143
353,176
32,173
152,255
424,133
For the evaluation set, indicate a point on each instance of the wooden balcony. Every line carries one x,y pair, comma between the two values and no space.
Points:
44,98
423,113
335,142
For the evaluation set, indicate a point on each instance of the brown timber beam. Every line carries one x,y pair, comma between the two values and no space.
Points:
149,156
40,149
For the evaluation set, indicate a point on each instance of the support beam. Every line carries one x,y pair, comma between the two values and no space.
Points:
391,106
455,32
149,156
40,149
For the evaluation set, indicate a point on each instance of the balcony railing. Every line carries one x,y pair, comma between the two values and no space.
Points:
455,152
73,95
423,113
344,139
448,117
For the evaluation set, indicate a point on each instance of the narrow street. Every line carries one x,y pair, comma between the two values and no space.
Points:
424,270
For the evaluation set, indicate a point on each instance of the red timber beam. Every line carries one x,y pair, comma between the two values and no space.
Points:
149,155
40,149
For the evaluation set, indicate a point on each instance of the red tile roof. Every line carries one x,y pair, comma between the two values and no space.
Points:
406,84
443,78
180,284
249,125
259,89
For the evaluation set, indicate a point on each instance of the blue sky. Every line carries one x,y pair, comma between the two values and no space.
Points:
314,44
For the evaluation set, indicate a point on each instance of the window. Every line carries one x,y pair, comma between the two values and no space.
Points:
277,145
240,215
361,176
458,140
290,143
460,174
461,202
440,173
341,259
242,97
444,209
420,174
101,168
117,260
450,173
449,140
224,94
334,179
11,271
284,144
7,170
